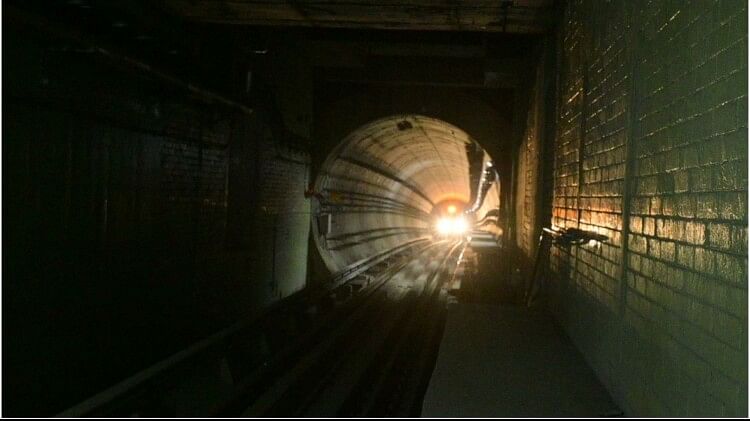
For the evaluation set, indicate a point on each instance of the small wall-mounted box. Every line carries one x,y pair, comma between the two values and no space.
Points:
324,224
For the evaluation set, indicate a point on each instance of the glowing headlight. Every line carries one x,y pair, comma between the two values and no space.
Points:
452,226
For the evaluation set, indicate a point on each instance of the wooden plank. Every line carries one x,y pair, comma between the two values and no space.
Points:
421,15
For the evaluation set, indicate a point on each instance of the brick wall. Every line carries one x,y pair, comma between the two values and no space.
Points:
138,219
528,170
651,150
535,153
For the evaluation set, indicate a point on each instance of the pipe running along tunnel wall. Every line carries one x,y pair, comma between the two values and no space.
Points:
385,183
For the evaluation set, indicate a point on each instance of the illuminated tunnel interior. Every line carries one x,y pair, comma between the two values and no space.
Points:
390,181
375,208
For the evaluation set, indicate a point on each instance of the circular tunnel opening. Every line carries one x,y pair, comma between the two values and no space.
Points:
397,180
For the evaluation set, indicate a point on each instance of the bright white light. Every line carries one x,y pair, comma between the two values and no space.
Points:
460,225
444,226
452,226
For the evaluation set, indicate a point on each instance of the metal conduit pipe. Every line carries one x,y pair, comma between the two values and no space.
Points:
489,177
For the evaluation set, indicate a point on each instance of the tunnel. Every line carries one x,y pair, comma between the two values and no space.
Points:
375,208
387,183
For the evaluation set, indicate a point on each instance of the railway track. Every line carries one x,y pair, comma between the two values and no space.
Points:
363,346
375,360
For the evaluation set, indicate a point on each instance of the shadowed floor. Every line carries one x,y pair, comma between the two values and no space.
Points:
511,362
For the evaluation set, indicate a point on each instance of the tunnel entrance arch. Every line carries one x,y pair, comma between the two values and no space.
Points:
379,188
341,108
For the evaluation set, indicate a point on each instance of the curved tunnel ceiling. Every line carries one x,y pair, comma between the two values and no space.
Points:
381,184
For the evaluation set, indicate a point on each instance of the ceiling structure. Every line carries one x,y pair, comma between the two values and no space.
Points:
508,16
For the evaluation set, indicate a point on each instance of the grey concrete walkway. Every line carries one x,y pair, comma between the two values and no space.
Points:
510,362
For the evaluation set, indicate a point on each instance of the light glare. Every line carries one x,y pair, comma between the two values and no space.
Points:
452,226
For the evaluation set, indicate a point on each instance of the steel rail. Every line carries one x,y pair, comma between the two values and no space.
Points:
327,363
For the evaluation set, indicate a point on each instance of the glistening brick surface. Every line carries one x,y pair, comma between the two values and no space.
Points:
529,171
660,310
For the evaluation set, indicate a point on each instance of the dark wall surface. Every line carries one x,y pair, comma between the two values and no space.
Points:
138,218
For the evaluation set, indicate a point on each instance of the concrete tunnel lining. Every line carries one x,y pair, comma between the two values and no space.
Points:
381,183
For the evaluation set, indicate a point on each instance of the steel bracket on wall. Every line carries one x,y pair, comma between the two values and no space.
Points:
565,237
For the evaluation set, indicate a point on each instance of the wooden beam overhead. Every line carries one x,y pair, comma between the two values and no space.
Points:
518,16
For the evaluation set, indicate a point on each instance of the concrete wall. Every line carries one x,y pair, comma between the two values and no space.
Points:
138,219
650,149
